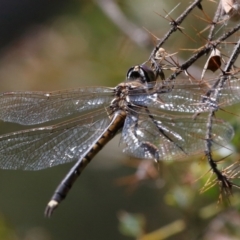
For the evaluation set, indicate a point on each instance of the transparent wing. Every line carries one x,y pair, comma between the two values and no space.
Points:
45,147
179,136
185,97
29,108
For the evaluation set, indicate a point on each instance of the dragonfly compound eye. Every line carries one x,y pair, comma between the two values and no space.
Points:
141,72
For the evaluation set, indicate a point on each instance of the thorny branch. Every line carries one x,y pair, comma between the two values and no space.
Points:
204,50
223,178
226,184
161,60
175,26
214,22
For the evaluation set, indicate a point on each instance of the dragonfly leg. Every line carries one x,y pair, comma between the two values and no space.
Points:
147,146
152,149
161,130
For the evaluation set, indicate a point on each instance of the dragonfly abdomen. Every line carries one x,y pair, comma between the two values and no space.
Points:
62,190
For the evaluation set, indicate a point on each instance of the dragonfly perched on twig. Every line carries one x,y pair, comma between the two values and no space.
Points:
155,119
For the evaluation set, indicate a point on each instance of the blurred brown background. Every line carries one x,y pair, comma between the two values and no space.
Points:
50,45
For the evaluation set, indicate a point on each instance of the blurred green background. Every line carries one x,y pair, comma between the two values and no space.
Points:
67,44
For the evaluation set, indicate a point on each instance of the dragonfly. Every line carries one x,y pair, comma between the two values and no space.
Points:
155,119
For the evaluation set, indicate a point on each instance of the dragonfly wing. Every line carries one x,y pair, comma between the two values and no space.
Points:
39,148
177,138
29,108
188,98
230,93
180,97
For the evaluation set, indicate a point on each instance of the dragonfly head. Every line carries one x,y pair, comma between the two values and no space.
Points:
141,73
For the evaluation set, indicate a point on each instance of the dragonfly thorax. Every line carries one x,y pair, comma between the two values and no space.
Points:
137,81
123,92
121,100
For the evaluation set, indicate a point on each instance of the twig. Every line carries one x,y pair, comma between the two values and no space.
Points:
136,34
